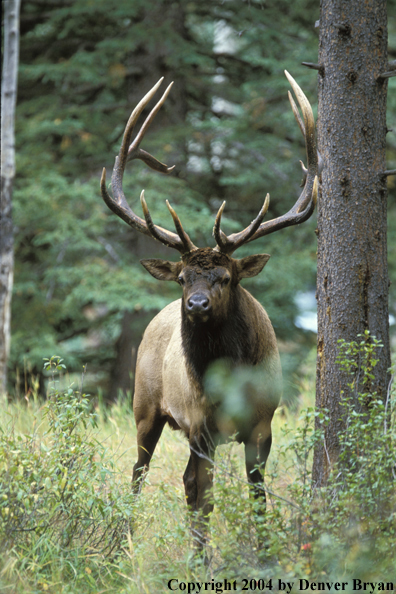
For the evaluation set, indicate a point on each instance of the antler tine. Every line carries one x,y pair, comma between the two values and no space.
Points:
302,128
134,152
154,231
230,244
118,203
220,237
130,125
188,244
305,205
307,128
296,113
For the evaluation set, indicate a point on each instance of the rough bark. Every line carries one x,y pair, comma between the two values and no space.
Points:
8,102
352,285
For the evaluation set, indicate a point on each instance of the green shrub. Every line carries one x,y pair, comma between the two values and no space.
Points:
345,531
62,506
64,512
358,512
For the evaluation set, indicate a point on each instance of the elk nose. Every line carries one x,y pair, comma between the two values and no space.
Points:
198,304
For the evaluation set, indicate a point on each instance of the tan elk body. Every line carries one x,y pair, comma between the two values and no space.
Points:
215,322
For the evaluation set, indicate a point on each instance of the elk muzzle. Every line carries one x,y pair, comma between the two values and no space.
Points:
198,306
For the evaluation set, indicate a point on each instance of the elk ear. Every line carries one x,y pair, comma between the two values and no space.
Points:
162,269
251,265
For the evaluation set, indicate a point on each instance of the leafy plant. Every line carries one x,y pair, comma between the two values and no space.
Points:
361,492
348,528
61,500
69,505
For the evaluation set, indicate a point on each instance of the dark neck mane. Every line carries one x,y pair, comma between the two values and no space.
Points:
205,342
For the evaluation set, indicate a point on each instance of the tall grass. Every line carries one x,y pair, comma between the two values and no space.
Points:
87,534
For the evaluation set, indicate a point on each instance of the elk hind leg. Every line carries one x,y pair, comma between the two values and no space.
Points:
190,485
256,453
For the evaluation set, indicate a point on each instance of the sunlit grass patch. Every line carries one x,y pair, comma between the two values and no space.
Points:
305,537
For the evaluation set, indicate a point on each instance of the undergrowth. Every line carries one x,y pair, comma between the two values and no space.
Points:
68,521
63,509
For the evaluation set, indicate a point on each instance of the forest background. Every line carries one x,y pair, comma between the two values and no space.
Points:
80,291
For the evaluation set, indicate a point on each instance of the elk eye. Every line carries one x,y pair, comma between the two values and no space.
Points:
181,280
225,280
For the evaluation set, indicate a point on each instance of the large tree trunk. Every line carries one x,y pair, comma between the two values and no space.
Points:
8,102
352,286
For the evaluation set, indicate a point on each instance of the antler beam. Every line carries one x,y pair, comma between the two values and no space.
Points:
305,205
300,212
118,203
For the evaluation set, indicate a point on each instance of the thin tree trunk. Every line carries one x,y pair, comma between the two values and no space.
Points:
352,286
8,102
152,65
123,371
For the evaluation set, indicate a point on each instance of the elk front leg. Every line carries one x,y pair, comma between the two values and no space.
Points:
149,430
257,450
256,453
198,482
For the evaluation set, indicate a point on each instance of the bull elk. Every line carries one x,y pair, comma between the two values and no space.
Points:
215,319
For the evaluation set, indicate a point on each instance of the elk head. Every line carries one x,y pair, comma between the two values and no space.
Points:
207,278
208,275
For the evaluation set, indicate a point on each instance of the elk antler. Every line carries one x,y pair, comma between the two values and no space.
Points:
118,203
305,204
